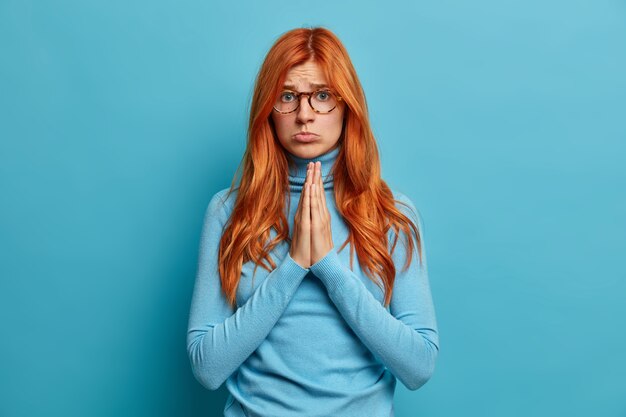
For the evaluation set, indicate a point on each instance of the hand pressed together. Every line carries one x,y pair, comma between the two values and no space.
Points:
312,236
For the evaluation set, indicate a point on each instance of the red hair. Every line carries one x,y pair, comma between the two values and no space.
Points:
363,199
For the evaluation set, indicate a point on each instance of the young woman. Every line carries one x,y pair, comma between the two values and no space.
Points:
341,304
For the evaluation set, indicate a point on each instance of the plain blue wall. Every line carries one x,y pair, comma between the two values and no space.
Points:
504,121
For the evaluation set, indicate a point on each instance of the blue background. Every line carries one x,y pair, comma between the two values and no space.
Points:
503,121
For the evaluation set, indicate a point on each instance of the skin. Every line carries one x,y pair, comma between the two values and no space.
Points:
327,126
312,235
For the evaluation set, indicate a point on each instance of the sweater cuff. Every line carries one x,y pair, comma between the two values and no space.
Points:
292,272
329,270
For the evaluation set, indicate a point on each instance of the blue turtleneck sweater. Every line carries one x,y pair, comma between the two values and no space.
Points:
310,341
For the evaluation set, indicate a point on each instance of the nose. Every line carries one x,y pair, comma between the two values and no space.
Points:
305,113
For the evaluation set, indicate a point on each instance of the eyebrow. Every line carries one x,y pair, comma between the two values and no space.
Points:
293,87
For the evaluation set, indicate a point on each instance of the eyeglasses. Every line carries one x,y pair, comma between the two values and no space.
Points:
321,101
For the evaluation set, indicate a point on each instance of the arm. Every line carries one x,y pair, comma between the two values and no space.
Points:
220,339
405,338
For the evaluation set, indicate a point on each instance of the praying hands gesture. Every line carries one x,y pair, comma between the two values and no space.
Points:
312,236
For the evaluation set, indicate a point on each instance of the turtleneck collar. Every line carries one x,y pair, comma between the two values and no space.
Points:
297,169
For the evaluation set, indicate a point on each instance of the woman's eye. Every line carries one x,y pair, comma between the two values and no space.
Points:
286,97
323,95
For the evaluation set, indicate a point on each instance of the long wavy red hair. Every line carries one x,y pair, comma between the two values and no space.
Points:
363,198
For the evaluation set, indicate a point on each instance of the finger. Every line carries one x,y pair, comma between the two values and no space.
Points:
306,230
323,213
323,199
310,182
319,190
318,172
306,191
306,211
302,193
313,204
308,175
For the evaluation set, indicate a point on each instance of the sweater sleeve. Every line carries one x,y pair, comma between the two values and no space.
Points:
405,338
219,337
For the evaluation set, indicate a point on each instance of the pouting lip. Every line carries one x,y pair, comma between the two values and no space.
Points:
304,134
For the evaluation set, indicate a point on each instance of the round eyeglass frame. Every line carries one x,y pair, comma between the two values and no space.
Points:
309,94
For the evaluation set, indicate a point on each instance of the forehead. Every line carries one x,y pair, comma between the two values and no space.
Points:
305,75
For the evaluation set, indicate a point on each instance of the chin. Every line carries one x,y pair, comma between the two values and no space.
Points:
308,151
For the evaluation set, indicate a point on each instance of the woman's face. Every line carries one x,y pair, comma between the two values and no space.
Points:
326,127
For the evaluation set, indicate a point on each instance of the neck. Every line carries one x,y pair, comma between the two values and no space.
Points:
297,169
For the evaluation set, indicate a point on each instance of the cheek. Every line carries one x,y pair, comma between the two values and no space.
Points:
279,125
340,116
337,124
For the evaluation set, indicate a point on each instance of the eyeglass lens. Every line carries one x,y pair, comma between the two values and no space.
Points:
322,101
